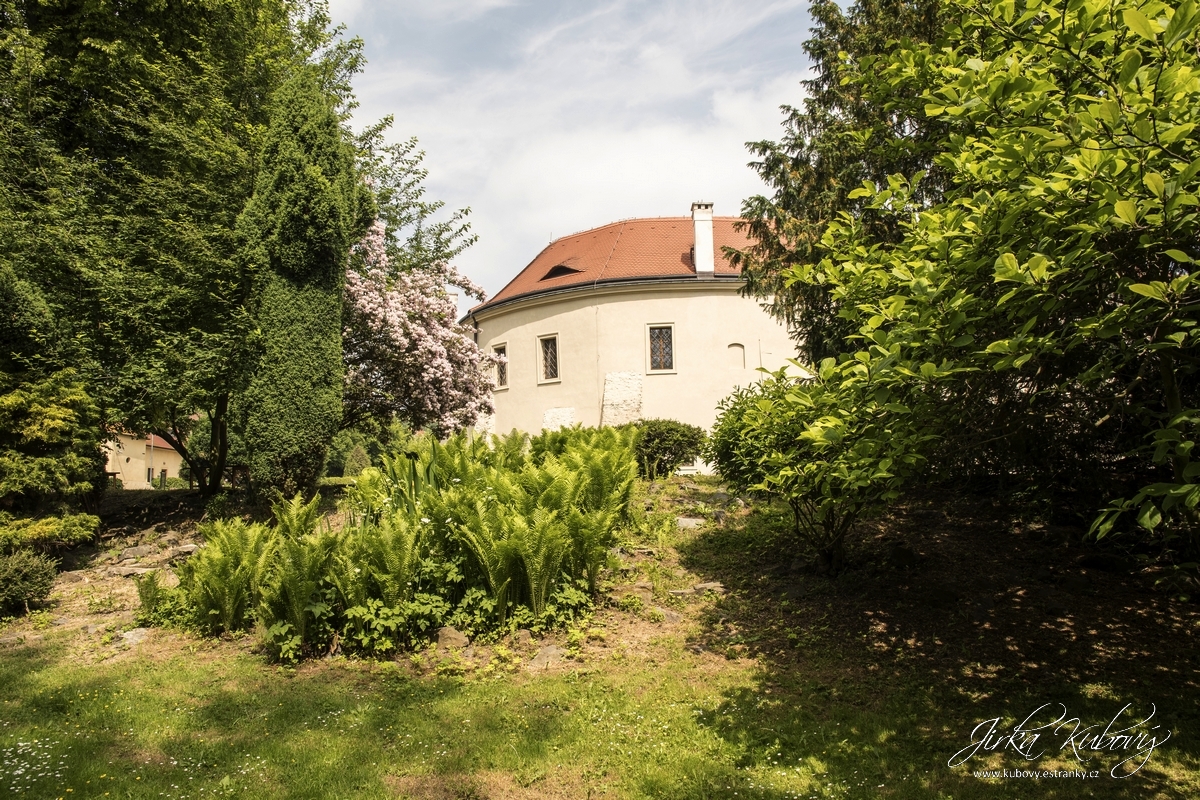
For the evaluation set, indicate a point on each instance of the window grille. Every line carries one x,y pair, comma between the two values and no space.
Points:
502,366
662,351
550,358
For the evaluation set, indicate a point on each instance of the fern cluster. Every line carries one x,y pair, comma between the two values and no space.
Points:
480,534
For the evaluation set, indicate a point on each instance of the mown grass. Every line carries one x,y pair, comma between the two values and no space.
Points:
753,695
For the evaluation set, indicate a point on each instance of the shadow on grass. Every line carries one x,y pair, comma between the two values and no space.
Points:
875,679
222,721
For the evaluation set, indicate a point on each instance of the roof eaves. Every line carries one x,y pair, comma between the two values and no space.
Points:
688,280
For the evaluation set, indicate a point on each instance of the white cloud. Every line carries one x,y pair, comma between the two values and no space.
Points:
443,10
559,117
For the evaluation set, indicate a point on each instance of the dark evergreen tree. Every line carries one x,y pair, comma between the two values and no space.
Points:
309,206
844,133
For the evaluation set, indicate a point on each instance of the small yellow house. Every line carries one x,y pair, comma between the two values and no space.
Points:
638,319
142,463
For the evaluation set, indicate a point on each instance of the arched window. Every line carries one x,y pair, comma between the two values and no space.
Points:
737,356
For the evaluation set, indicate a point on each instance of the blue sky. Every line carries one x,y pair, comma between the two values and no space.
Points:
547,118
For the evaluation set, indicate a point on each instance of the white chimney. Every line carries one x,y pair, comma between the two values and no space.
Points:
702,241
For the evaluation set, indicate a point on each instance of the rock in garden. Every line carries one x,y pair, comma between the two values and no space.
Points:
128,572
20,638
74,576
450,638
680,592
643,593
184,550
720,497
170,539
523,638
668,614
547,656
711,586
685,523
138,552
135,636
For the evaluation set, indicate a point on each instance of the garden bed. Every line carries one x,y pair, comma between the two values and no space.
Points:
776,683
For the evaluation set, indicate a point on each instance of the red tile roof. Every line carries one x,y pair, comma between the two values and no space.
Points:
632,249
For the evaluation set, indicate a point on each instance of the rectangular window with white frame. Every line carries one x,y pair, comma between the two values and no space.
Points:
660,347
501,353
548,359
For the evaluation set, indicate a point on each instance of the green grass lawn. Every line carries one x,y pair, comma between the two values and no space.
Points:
784,688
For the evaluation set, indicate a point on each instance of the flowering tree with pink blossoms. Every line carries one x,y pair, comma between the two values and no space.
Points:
404,351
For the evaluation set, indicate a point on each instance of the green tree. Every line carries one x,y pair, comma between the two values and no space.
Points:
834,445
308,208
846,131
145,123
1051,291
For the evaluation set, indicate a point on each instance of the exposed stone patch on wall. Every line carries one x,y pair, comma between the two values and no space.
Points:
622,400
555,418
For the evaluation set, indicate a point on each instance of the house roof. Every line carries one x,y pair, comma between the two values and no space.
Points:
632,249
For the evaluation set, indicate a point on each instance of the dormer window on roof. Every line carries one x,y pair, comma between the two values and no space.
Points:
559,271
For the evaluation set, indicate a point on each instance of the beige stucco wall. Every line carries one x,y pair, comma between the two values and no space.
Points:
603,340
129,458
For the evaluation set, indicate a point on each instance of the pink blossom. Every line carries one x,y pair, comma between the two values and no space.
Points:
405,352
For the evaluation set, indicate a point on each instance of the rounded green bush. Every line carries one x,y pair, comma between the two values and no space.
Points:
25,576
664,445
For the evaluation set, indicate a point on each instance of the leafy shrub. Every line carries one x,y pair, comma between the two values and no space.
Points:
220,506
664,445
222,578
162,606
25,577
482,534
356,461
49,443
295,564
833,446
48,532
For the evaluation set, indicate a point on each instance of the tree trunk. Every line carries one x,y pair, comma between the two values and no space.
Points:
177,445
831,558
220,434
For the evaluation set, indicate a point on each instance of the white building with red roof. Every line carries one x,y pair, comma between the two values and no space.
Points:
638,319
142,462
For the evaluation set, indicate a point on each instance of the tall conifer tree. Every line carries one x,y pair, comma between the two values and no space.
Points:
309,206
